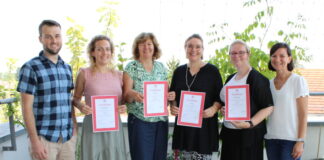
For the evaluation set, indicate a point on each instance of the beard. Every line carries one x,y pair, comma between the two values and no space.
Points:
52,52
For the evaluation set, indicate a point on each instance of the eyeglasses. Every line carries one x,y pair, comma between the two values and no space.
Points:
240,53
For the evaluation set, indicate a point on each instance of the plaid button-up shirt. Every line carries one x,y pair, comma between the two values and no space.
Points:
51,85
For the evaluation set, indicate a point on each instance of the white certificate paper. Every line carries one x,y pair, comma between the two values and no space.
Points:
155,98
237,104
104,113
191,108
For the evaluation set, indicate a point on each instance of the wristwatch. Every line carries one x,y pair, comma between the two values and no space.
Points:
251,124
300,140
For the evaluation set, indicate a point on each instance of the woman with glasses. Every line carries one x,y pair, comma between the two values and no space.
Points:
287,124
243,140
197,76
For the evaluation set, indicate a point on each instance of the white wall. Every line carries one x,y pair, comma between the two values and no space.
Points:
314,144
22,149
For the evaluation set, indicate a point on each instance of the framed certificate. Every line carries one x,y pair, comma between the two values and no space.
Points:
155,98
237,103
191,108
104,113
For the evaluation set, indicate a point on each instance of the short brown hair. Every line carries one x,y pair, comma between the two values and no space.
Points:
142,38
47,22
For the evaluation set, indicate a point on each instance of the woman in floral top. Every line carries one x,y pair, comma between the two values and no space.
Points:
148,136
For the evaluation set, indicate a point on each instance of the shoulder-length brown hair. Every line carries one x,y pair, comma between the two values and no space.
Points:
142,38
277,46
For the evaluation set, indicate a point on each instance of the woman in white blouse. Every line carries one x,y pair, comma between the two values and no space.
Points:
287,125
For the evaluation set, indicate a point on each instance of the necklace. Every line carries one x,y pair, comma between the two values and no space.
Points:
193,80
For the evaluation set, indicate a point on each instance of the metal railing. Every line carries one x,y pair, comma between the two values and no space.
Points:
13,146
316,93
320,131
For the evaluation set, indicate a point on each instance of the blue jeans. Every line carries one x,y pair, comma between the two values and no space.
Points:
147,140
278,149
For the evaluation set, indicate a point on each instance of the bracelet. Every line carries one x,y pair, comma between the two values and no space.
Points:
300,140
251,124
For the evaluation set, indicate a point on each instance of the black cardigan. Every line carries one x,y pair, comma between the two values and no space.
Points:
260,98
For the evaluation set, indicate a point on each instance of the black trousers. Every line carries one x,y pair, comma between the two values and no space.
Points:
240,144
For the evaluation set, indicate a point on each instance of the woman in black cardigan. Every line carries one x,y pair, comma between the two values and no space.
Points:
243,140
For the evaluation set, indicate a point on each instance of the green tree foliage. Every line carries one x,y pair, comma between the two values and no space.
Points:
172,64
12,68
76,44
8,90
110,19
255,35
120,59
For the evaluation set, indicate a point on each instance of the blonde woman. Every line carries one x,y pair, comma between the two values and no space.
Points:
243,140
99,79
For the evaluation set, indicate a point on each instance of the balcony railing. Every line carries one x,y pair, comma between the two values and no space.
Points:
13,146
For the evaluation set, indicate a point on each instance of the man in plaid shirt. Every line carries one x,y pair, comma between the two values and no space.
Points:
45,84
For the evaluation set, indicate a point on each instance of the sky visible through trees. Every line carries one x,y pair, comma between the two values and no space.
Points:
172,21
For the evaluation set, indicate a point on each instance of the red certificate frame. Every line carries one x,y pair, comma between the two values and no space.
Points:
248,112
202,103
165,101
94,114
